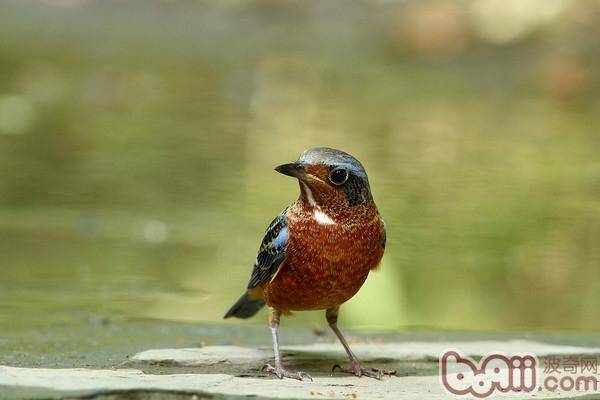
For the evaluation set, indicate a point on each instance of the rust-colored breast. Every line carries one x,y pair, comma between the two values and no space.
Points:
326,263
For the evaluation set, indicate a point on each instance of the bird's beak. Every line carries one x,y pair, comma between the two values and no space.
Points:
295,170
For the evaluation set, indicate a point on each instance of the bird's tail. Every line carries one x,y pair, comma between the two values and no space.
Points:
245,307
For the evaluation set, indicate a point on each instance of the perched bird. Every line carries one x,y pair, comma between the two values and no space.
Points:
318,252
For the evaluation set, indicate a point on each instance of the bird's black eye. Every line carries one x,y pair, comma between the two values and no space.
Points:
338,176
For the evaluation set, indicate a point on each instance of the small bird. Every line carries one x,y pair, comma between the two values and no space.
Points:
318,252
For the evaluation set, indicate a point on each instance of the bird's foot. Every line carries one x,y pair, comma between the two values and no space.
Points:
284,373
356,369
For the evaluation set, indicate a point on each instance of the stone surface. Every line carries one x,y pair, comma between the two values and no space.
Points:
432,350
208,355
184,372
87,382
365,351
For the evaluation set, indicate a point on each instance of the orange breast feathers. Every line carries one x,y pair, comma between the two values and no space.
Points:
327,260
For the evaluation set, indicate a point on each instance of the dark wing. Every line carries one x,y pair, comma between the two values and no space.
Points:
271,252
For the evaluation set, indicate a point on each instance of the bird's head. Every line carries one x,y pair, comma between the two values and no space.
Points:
329,178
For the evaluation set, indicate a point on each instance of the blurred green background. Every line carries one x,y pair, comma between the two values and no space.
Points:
138,140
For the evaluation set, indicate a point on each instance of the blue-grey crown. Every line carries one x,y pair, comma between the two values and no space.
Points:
333,157
356,188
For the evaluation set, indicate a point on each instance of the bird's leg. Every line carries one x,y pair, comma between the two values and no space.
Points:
278,370
355,367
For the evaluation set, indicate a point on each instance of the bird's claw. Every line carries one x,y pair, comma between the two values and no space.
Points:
284,373
357,370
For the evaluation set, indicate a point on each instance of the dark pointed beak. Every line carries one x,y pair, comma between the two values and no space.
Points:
295,170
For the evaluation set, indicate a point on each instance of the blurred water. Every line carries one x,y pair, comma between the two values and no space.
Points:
137,143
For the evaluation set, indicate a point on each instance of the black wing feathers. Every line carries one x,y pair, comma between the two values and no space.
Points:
271,252
270,256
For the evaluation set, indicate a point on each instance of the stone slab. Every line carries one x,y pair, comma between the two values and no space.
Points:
89,382
210,355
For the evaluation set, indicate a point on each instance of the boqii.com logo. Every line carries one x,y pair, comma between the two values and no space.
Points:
520,374
494,374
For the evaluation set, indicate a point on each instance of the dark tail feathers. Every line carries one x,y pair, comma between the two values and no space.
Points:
245,307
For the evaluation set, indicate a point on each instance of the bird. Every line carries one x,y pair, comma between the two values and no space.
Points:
318,252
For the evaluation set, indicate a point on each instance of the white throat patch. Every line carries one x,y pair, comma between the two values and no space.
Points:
309,195
323,218
320,216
